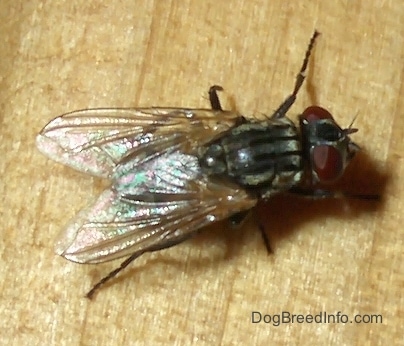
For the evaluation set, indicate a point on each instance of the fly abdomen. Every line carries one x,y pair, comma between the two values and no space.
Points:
264,156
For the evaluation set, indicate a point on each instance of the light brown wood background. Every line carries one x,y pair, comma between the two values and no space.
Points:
328,255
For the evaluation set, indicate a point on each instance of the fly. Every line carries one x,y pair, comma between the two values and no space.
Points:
176,170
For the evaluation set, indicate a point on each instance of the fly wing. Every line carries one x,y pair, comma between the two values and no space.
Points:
94,141
162,202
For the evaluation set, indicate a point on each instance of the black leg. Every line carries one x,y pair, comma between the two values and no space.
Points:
112,274
320,193
265,238
284,107
214,98
164,245
238,219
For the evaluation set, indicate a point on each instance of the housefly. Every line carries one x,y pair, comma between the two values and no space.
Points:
176,170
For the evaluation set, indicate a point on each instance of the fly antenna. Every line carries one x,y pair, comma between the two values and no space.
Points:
350,130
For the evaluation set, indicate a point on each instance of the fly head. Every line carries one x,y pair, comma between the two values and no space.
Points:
326,145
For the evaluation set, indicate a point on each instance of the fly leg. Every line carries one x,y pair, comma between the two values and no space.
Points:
164,245
265,238
214,98
215,102
320,193
113,273
238,218
284,107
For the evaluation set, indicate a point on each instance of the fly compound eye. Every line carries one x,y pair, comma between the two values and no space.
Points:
327,163
314,113
326,144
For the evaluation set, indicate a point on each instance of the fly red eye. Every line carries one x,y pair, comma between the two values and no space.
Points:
314,113
327,163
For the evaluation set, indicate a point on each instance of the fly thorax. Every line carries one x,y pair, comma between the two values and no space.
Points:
259,156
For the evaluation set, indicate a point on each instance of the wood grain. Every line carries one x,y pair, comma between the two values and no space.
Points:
329,256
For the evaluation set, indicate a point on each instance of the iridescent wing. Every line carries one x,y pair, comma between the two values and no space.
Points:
163,202
94,141
158,196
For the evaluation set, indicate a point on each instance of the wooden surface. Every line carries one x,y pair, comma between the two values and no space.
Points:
329,256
